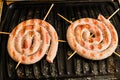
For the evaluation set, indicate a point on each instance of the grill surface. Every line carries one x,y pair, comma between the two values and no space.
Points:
76,67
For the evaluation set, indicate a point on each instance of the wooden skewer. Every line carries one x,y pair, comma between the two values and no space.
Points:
114,13
116,54
64,18
4,33
91,35
48,11
61,41
72,55
17,64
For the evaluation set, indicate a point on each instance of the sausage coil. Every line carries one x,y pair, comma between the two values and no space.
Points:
91,38
31,40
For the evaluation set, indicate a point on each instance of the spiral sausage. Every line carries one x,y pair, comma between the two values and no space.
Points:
31,40
99,46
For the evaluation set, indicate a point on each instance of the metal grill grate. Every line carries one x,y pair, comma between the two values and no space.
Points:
76,67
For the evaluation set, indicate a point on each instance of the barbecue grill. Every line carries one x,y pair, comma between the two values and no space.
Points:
75,68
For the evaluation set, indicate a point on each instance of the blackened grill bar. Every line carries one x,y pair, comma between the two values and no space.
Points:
76,67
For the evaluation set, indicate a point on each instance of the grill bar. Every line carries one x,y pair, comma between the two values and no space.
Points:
76,67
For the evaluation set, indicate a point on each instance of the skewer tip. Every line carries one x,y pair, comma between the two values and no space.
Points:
72,55
64,18
17,64
117,54
113,13
4,33
48,11
61,41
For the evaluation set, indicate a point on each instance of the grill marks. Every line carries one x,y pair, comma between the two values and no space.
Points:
31,41
47,38
79,34
25,44
23,58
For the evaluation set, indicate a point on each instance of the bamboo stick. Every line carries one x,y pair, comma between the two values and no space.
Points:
64,18
72,55
61,41
17,64
4,33
113,14
48,11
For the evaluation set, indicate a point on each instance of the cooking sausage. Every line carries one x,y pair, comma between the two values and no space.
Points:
99,46
31,40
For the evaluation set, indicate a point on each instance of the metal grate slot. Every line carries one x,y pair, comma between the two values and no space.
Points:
102,67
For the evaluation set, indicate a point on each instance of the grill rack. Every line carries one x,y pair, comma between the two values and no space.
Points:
76,67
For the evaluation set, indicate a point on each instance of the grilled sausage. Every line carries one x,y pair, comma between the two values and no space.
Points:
31,40
99,46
